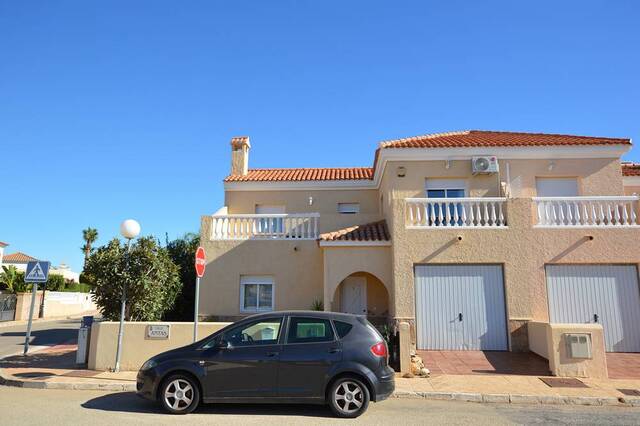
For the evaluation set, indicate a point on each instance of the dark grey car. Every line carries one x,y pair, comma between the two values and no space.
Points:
296,356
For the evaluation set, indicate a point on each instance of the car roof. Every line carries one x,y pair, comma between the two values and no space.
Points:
320,314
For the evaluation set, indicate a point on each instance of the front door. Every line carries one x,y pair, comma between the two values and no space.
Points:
354,295
248,366
307,356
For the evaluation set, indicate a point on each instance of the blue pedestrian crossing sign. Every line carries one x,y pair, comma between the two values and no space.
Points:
37,272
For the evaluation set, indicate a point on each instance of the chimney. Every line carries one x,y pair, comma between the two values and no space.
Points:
240,155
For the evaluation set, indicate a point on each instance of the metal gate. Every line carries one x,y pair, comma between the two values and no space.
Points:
7,306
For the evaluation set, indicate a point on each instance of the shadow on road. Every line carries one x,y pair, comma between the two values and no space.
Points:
130,403
47,337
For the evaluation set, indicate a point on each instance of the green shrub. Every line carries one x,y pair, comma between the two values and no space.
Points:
55,282
77,288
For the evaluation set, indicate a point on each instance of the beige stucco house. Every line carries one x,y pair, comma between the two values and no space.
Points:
467,236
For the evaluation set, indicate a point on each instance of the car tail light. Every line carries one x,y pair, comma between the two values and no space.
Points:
379,349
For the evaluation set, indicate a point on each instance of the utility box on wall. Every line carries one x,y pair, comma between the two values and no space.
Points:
578,345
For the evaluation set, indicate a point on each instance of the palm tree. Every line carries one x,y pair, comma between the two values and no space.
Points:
89,235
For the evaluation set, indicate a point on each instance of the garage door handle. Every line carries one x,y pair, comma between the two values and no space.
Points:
460,316
595,317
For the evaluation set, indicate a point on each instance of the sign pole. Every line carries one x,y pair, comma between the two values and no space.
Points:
33,306
195,316
201,264
37,272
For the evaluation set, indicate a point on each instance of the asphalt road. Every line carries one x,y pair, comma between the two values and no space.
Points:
59,407
45,333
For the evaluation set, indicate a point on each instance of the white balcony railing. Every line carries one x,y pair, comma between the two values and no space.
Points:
303,226
587,211
455,212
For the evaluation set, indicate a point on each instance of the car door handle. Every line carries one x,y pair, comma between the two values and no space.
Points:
334,350
272,354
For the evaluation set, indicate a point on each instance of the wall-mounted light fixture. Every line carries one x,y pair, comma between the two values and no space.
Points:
401,171
551,166
447,164
310,201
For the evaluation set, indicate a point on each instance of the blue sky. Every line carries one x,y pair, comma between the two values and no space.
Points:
119,109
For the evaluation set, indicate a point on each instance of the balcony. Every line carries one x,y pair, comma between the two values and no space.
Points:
455,213
301,226
599,212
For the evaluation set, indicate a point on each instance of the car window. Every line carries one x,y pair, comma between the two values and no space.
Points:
309,330
262,332
342,328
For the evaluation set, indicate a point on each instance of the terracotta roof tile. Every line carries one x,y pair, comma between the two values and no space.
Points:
462,139
631,169
482,138
17,257
277,175
376,231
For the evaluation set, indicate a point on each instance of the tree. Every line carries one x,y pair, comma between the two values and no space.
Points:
89,235
152,279
182,251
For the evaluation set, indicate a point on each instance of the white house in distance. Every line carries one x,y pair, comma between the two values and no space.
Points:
20,260
2,246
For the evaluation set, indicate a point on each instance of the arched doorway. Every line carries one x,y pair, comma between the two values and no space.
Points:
362,293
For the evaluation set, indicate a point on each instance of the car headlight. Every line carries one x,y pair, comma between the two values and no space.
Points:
149,364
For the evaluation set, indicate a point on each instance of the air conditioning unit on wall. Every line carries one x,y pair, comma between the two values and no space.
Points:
484,165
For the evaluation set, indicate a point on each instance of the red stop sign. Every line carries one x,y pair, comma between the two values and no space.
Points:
200,262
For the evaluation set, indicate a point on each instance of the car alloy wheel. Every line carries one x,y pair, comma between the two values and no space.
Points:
180,395
349,398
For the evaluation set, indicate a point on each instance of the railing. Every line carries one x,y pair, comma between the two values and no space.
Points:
455,212
587,211
303,226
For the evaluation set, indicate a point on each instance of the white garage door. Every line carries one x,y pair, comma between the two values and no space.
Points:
606,294
460,307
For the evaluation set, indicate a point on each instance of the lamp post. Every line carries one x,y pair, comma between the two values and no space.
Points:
128,229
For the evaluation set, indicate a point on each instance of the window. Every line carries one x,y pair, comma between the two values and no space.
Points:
261,332
256,294
446,188
348,208
557,187
309,330
342,328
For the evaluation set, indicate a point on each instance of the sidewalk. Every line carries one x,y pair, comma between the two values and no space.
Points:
55,368
78,316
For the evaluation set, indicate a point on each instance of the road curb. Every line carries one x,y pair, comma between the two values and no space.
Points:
520,398
126,387
486,398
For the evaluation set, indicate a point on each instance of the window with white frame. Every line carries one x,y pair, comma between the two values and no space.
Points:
445,188
348,208
256,293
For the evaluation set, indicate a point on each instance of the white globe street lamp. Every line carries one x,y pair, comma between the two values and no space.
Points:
129,229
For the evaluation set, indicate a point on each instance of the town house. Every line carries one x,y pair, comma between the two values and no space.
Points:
466,236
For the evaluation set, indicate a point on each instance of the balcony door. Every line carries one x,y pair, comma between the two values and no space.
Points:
445,188
272,225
